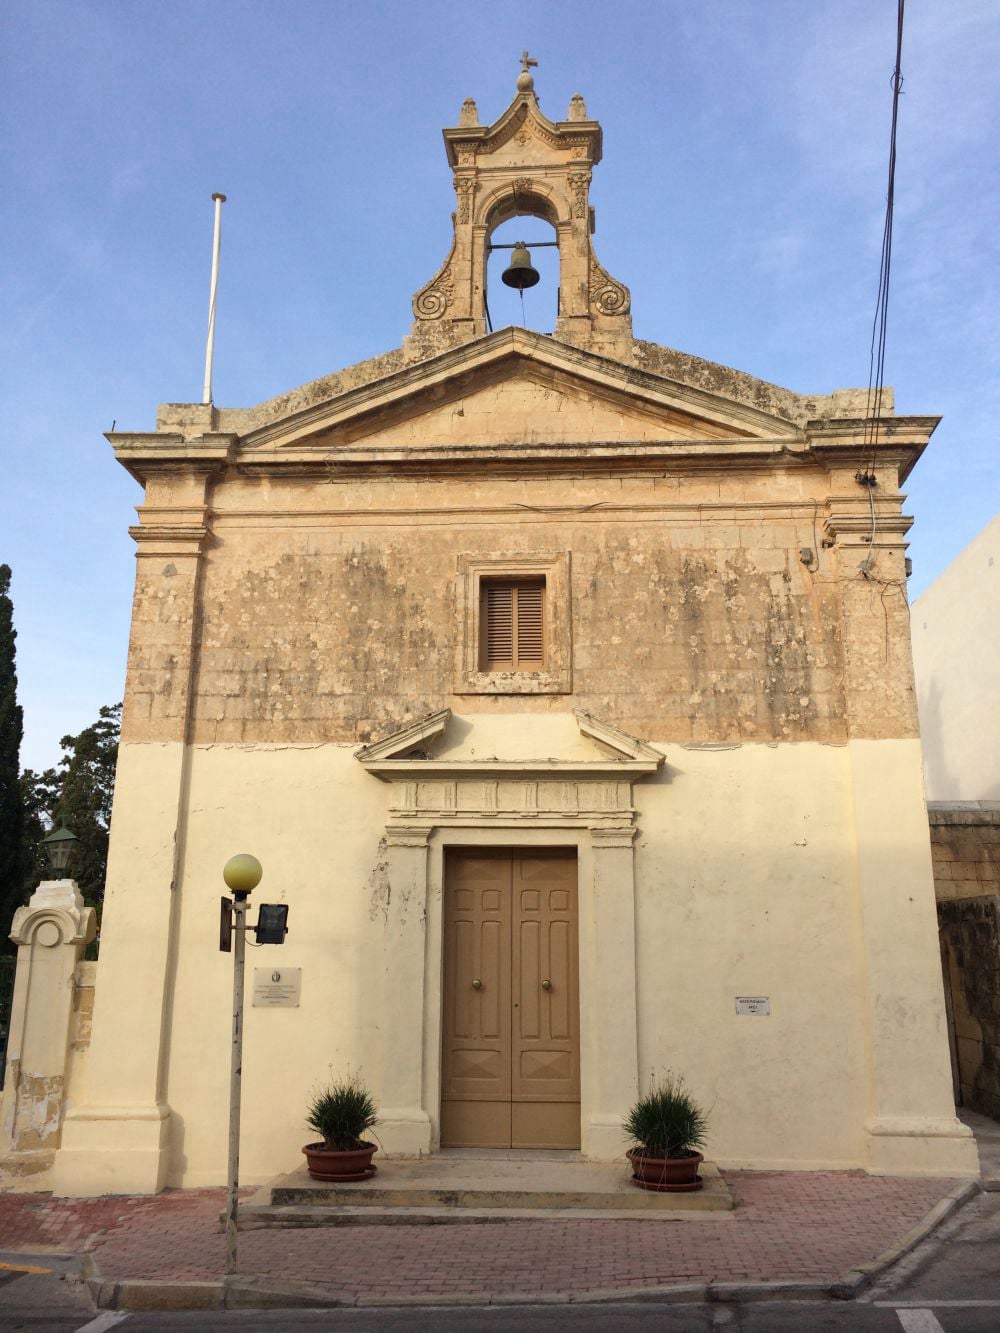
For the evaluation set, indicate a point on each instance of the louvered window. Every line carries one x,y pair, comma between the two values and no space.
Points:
513,625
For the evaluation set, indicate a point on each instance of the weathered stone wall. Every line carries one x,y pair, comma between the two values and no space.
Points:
330,611
965,843
970,929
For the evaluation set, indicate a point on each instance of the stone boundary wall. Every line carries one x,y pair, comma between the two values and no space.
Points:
965,843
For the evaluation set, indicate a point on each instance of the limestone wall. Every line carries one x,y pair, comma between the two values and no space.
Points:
965,843
331,611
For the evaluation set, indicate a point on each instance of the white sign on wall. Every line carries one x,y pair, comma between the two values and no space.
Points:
757,1006
277,987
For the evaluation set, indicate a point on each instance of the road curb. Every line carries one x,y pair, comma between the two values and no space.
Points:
861,1276
248,1293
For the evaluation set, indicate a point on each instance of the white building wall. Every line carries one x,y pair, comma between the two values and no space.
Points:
956,661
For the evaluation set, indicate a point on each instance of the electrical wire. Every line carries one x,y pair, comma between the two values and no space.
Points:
876,365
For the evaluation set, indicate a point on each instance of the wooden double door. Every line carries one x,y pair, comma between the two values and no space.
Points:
511,1023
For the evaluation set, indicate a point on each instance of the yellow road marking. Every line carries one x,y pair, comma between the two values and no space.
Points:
23,1268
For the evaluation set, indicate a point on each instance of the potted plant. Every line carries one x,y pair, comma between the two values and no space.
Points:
341,1113
668,1128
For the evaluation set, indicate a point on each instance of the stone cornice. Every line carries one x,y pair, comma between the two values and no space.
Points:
848,442
670,453
598,770
891,430
162,539
143,453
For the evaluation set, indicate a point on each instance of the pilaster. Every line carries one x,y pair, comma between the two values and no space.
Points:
611,996
404,1126
911,1127
118,1140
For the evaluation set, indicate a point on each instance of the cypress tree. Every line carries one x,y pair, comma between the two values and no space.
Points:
84,789
12,859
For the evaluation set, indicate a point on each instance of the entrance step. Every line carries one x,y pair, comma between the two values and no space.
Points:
433,1190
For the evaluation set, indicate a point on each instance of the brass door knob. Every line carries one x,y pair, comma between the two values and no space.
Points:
477,984
546,985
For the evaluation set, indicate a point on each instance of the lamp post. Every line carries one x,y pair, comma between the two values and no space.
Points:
242,875
58,847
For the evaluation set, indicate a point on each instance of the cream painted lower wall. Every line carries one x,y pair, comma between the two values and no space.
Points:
749,880
746,887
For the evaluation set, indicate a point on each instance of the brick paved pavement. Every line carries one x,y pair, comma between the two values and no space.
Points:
789,1225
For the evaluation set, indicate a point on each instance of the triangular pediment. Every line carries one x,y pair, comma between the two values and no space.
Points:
514,387
408,754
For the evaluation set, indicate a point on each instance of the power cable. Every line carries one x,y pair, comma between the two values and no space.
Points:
876,365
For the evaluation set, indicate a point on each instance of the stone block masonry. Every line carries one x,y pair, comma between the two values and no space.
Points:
965,844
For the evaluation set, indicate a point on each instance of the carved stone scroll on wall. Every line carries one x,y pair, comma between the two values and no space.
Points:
436,296
607,296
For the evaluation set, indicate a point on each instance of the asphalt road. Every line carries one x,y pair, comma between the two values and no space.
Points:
852,1317
950,1284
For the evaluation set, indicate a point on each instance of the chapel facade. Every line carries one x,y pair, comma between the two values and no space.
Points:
562,685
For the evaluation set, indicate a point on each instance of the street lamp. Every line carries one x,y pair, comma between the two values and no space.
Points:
242,874
58,847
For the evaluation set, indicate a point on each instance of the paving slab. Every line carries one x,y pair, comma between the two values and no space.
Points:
819,1232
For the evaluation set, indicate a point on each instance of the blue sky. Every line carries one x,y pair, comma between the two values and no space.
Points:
740,197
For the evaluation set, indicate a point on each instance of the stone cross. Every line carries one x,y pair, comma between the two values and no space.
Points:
527,61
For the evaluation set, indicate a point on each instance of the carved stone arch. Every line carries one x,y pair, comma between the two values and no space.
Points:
523,197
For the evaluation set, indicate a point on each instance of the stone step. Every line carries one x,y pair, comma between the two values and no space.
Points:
434,1189
257,1218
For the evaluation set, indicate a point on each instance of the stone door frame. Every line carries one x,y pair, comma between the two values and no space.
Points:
512,1105
437,804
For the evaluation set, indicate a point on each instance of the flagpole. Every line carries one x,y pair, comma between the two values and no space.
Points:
219,199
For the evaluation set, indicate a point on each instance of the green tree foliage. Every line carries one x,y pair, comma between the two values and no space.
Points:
40,792
79,794
12,847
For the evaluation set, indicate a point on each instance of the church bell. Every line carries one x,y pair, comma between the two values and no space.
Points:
521,273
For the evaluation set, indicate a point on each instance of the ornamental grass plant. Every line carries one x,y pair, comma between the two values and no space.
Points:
667,1122
341,1113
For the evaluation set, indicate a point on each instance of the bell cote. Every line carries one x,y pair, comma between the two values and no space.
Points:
523,165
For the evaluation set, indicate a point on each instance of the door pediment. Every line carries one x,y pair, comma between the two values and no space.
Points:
429,792
406,756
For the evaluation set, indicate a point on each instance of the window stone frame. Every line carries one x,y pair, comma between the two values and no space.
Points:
554,567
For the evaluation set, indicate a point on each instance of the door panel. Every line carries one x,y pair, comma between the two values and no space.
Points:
476,1066
511,1059
545,1067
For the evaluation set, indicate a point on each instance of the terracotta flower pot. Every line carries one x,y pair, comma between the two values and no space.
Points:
326,1164
667,1175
